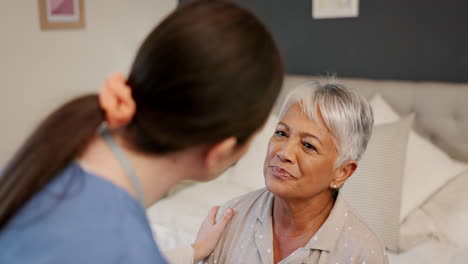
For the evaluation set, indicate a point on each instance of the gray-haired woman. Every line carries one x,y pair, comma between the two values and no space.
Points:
300,217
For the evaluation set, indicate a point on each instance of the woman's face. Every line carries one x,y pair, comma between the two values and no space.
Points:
301,156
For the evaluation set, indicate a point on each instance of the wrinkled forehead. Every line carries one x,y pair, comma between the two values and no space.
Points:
302,108
298,119
298,109
318,105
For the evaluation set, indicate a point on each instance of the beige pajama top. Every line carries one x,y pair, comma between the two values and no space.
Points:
343,238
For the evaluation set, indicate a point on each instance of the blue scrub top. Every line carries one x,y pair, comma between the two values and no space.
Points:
79,218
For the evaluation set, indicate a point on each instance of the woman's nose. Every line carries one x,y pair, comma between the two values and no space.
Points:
286,153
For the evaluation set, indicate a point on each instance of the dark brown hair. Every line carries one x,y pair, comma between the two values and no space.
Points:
208,71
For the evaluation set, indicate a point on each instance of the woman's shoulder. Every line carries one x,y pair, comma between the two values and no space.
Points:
245,204
247,200
359,235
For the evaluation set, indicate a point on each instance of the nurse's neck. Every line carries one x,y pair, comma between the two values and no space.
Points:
156,173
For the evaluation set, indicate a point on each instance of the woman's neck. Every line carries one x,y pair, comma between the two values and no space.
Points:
296,221
299,216
156,174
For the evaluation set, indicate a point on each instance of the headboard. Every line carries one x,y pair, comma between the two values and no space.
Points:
441,108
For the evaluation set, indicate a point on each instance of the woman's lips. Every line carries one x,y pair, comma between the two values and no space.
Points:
280,173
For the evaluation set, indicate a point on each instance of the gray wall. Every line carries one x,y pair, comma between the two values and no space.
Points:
391,39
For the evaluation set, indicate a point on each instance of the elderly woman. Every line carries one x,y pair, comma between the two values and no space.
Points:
300,217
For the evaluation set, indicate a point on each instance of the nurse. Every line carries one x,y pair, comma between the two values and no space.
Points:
202,84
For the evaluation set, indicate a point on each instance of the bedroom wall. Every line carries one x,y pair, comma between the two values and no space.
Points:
41,69
397,39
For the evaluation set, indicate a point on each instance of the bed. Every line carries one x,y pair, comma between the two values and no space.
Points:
425,199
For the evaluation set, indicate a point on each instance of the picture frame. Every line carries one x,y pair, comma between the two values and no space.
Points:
61,14
326,9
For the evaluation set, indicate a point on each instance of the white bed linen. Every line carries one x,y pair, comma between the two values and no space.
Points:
431,252
175,220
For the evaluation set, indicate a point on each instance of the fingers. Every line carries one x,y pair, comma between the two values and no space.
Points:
226,218
211,218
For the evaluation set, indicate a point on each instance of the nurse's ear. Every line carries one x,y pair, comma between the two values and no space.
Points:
343,173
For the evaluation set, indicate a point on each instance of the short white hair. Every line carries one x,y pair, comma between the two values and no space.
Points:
347,115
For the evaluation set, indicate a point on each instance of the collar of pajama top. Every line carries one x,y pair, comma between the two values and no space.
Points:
330,230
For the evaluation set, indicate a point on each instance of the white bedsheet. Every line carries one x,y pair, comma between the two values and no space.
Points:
175,220
431,252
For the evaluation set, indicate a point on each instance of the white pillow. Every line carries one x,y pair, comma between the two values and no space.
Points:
417,228
383,112
427,167
375,188
248,171
448,208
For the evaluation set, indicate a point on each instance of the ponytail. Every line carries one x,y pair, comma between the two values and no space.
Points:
56,142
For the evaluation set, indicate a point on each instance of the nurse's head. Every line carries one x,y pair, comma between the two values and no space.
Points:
209,74
206,76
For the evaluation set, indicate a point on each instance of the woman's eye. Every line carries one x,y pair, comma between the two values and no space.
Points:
309,146
280,133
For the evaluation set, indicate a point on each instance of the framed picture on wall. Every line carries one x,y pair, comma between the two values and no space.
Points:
61,14
334,8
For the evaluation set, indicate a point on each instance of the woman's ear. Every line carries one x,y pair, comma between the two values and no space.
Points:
219,154
343,173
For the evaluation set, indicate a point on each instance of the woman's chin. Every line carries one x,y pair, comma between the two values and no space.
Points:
276,186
